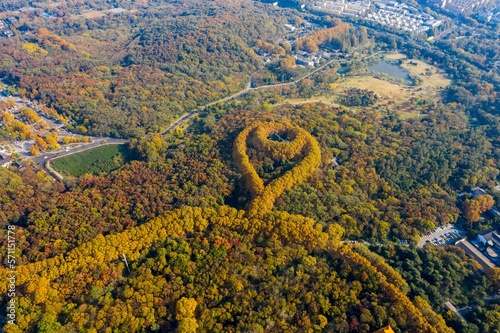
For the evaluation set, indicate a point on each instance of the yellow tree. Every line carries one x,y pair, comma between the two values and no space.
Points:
40,142
51,139
494,276
473,208
187,325
185,308
34,150
184,313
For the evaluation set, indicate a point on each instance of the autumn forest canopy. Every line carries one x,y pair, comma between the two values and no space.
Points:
295,206
128,74
161,250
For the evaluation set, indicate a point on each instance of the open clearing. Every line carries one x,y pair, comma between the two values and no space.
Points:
432,76
92,14
94,161
434,81
322,99
394,56
385,90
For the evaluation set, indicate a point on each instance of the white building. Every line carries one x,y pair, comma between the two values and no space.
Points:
489,238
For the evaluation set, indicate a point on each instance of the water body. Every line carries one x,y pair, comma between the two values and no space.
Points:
278,138
342,70
284,3
392,69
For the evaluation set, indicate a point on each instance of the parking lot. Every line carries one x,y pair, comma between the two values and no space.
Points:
442,235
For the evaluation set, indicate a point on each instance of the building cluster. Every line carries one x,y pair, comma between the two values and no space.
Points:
341,7
403,17
396,15
486,248
492,16
460,6
5,30
305,29
10,19
304,58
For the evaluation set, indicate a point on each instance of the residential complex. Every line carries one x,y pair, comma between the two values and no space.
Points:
5,30
396,15
459,6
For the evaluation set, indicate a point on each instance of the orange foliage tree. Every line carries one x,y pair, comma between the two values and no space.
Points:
473,208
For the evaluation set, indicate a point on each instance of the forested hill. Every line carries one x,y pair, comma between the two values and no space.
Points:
222,269
185,46
127,74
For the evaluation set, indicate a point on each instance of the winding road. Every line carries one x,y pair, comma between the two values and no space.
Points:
42,159
191,114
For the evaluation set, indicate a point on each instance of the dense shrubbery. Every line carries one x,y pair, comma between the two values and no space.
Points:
358,97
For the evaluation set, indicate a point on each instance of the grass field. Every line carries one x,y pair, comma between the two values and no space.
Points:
321,99
433,77
394,56
385,89
433,82
94,161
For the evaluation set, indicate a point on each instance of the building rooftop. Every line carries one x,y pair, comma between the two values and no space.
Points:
477,191
494,212
490,236
473,252
5,160
27,9
118,10
487,233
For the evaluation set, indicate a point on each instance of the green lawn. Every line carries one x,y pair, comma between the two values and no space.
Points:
95,161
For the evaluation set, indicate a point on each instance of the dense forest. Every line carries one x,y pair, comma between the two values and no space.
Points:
262,215
128,74
249,269
447,274
198,169
210,266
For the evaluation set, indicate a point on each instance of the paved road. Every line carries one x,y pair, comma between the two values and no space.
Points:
191,114
181,120
444,33
452,307
41,159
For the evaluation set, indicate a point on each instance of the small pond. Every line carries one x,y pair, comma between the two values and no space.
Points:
342,70
391,69
284,3
276,137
